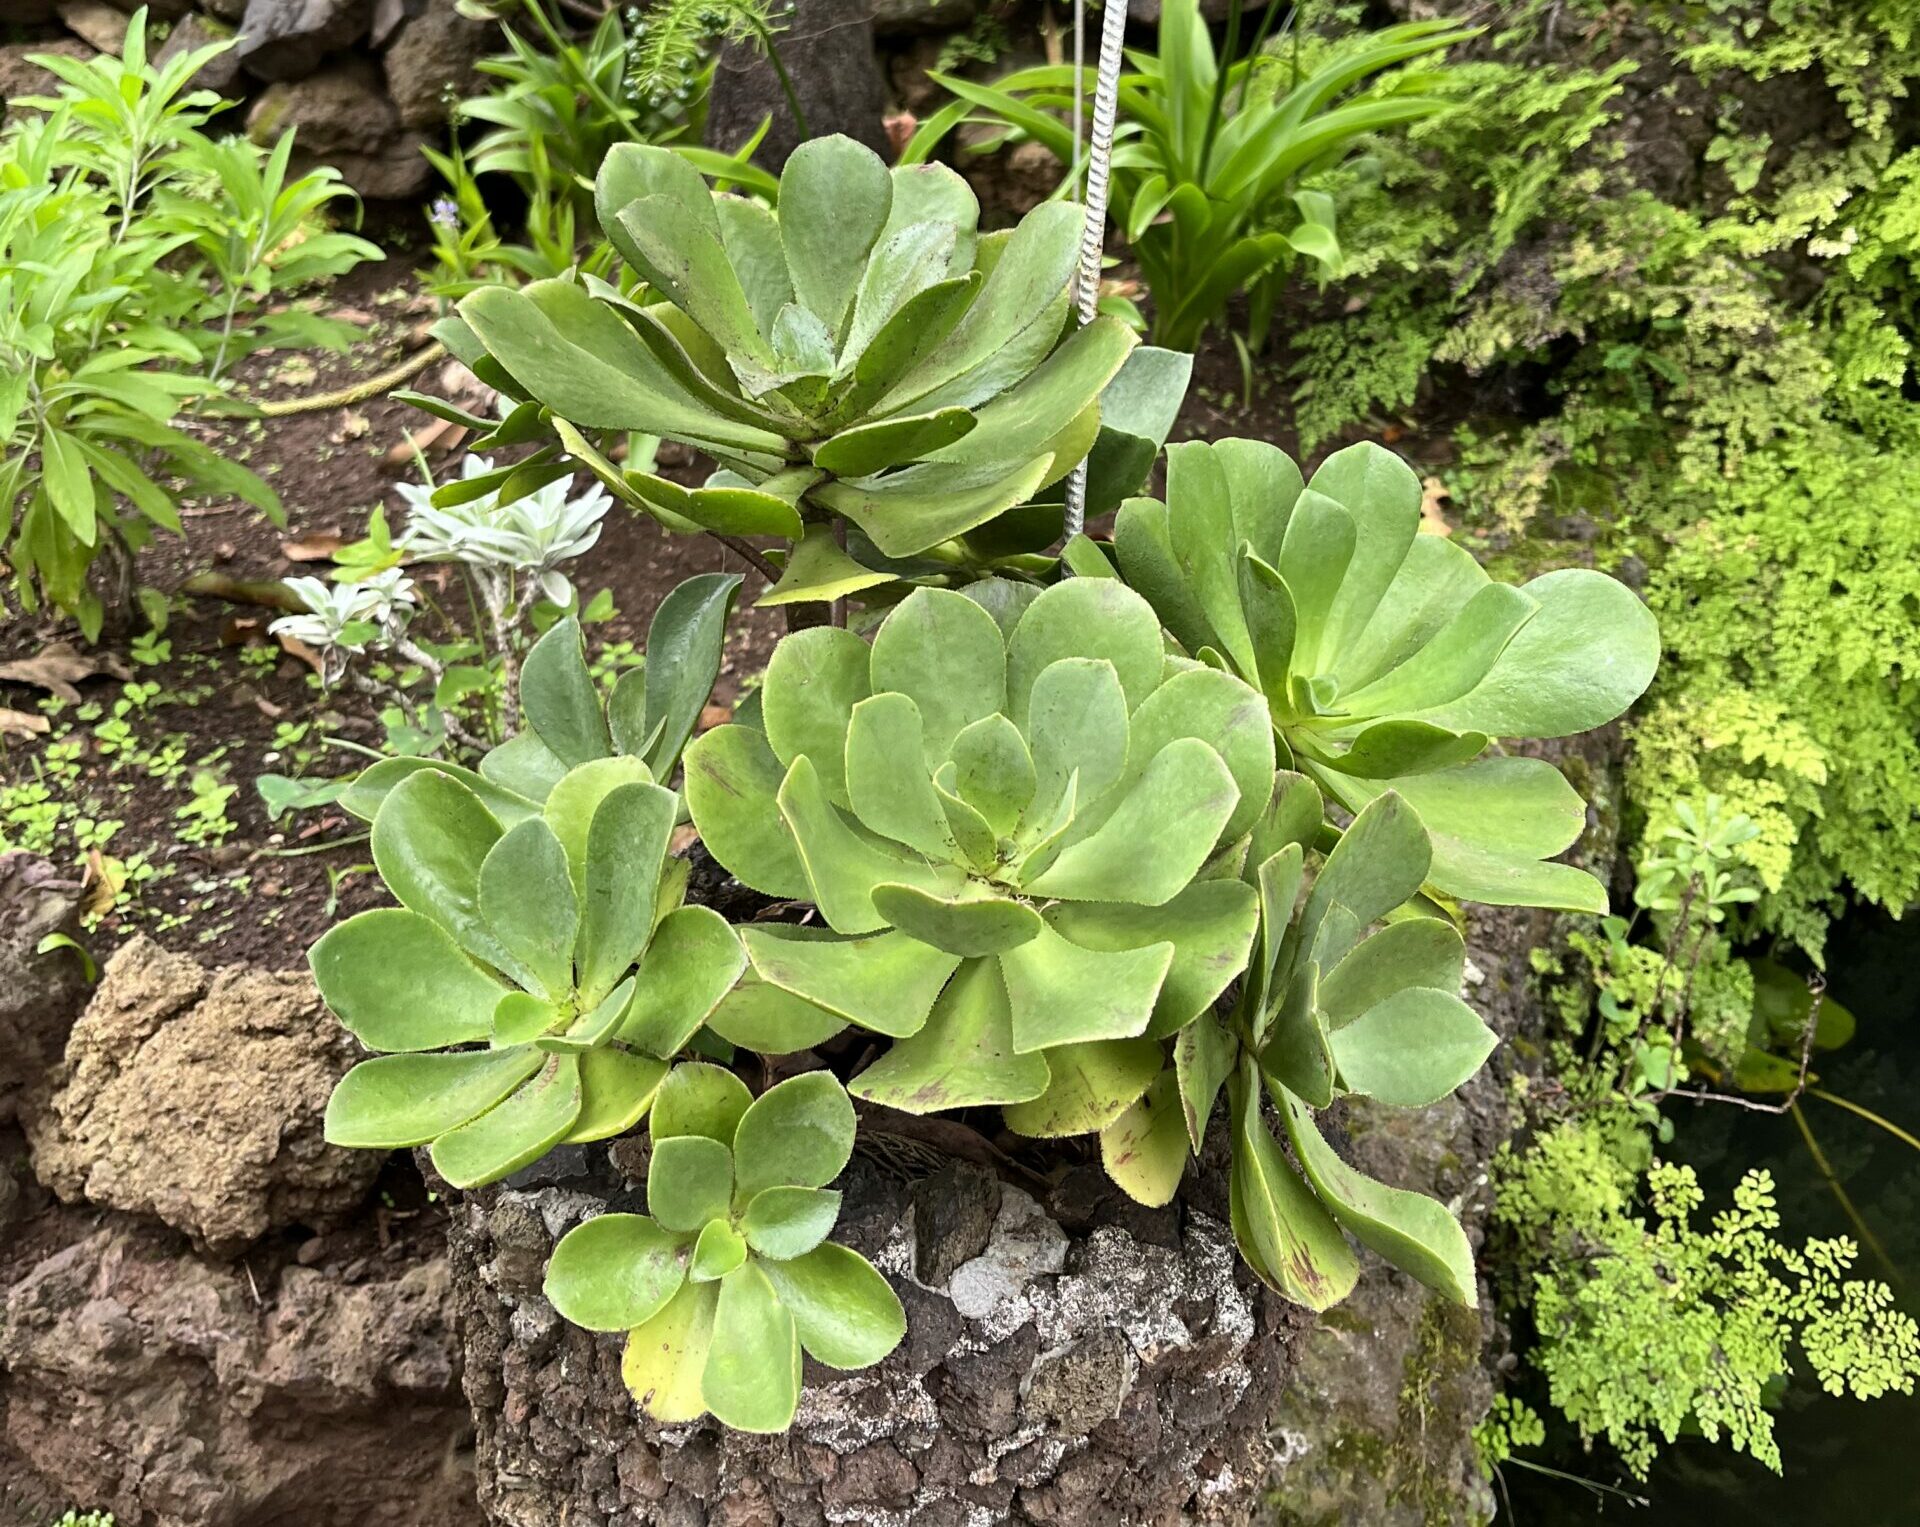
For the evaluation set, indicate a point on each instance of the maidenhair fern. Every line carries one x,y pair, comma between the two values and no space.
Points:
1649,1324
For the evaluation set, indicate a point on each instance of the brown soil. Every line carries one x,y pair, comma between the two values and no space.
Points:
226,685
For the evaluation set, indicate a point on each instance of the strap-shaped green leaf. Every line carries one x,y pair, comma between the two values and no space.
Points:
1388,749
681,255
399,982
1145,1149
1314,560
1382,495
666,1357
907,259
527,898
585,371
962,1058
615,1272
1203,1057
905,514
752,1377
1295,1049
577,795
869,448
1453,659
559,698
1284,1232
685,643
533,1119
1413,1232
617,1088
626,847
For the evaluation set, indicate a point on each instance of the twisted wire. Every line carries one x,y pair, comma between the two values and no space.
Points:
1106,97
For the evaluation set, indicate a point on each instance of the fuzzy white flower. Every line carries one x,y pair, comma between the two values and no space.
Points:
343,618
529,537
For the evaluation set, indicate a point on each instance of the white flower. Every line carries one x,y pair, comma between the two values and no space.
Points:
530,537
343,618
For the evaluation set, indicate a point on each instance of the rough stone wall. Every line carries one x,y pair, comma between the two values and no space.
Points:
1066,1362
298,1379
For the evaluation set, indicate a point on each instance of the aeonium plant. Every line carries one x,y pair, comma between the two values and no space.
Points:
1002,809
729,1276
860,351
1390,659
535,979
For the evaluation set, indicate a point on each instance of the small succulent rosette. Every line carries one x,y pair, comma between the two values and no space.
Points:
1391,660
729,1277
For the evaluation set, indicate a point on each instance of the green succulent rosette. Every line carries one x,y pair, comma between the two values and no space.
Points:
536,978
729,1277
861,351
1391,660
1005,810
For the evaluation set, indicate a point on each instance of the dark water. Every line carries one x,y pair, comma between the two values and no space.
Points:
1848,1463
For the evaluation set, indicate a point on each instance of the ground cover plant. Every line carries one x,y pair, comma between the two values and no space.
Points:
142,257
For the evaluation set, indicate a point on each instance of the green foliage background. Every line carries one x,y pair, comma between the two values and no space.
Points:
1704,328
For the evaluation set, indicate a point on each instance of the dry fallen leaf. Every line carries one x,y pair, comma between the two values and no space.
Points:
351,315
1434,498
104,880
437,435
712,716
294,647
18,723
683,838
58,666
320,546
352,426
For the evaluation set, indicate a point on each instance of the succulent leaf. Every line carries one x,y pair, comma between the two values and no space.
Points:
615,1272
1389,658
